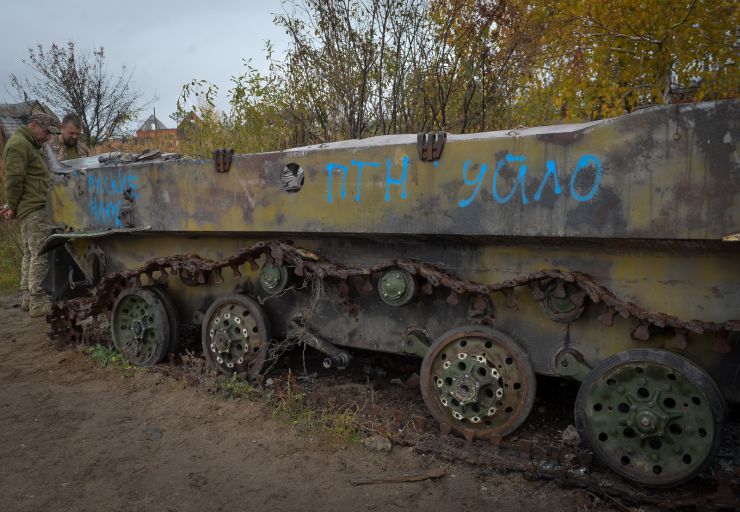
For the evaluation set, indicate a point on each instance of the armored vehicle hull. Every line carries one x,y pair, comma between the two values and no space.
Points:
599,251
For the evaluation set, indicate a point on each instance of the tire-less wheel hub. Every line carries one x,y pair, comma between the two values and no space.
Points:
137,328
470,387
222,341
229,339
465,389
477,381
235,335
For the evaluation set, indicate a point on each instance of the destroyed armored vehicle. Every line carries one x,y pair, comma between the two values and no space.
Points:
604,252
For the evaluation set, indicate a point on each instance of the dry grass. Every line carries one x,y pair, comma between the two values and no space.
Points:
10,256
10,247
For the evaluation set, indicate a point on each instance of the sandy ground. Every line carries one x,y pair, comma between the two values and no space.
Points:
77,437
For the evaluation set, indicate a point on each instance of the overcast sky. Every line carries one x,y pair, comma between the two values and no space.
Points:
165,42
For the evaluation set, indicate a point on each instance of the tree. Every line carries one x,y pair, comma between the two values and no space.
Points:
600,59
359,68
69,80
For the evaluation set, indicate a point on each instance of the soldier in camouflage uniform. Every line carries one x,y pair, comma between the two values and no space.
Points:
26,187
67,145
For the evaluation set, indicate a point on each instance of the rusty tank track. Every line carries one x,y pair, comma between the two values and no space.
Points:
66,316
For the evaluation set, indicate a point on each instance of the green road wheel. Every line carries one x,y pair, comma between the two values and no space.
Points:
650,415
396,287
172,315
235,334
561,309
273,278
140,326
478,382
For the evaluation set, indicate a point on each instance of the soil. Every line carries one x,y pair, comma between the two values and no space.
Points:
75,437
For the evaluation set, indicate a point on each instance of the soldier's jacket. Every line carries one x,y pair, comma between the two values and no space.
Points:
26,175
64,153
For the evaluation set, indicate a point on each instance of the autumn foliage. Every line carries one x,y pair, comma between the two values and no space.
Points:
359,68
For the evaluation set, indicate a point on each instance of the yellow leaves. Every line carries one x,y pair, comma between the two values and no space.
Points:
472,65
614,55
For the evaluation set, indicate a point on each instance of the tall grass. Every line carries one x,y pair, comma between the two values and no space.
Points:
10,256
10,247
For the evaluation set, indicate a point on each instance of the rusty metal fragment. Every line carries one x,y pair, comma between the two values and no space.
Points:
222,159
427,288
607,317
679,341
510,298
642,332
720,343
430,145
537,293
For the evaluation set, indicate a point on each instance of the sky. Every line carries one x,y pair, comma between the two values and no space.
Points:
166,43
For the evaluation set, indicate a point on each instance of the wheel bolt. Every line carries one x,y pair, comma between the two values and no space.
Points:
654,457
641,381
667,387
689,430
620,389
677,449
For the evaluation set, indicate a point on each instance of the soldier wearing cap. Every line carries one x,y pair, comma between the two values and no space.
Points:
67,145
27,182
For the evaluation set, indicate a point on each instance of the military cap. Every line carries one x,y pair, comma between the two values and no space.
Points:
44,121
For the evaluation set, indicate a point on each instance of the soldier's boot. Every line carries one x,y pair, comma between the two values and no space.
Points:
39,310
25,304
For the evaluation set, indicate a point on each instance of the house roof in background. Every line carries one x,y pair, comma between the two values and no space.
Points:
151,124
15,115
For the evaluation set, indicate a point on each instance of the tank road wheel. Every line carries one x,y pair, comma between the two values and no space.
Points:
140,326
650,415
235,334
478,382
172,315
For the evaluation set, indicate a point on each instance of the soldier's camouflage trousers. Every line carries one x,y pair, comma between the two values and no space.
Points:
35,229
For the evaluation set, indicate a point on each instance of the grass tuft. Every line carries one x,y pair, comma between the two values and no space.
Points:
338,425
10,256
107,356
231,387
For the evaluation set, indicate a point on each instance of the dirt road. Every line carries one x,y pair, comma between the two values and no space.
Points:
76,437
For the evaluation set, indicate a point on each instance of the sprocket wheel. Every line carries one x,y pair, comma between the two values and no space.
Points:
140,326
650,415
478,382
235,334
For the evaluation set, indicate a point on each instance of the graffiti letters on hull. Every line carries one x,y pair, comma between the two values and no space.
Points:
106,195
527,187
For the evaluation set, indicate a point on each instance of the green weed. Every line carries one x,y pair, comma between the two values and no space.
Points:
107,357
231,387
